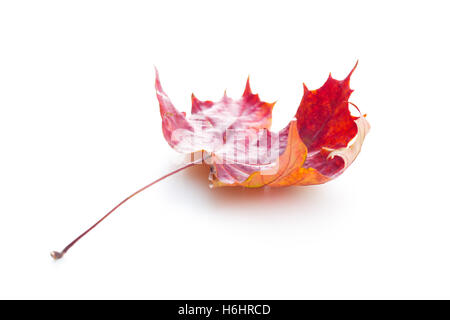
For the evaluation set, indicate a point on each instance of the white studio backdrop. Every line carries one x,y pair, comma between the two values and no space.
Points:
80,130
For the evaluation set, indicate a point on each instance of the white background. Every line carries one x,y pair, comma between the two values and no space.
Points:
80,130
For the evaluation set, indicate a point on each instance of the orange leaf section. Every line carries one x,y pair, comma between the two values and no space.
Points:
288,169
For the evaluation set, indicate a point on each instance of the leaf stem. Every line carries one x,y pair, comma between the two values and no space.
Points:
58,255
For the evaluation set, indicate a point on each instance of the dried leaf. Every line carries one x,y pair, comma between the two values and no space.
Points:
242,151
235,140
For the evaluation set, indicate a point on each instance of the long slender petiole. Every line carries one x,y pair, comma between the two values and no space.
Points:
58,255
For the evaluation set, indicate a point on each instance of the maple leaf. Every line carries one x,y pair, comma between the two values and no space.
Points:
312,149
233,137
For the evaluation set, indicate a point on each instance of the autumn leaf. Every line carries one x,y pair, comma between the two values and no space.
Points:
230,134
233,138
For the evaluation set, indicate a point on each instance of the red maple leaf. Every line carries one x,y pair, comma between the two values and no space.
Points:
233,137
